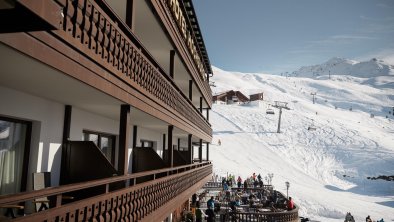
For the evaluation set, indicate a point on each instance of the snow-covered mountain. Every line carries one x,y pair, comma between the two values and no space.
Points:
327,167
374,68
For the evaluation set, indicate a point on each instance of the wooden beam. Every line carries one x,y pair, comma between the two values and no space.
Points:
207,151
164,142
190,148
201,104
124,132
200,151
172,63
170,151
67,123
133,155
66,137
191,90
135,134
130,14
38,15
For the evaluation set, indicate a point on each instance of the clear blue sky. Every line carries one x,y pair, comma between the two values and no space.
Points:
282,35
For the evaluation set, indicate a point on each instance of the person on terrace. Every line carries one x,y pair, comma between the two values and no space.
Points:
245,185
290,204
211,203
200,215
239,182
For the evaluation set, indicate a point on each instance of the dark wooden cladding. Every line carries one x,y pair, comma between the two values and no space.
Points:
128,204
110,43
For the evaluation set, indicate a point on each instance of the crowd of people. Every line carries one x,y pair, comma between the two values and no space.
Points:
252,181
264,196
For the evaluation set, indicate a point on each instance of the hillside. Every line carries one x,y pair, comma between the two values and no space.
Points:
376,72
327,168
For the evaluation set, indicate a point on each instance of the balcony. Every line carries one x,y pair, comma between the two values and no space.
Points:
153,200
102,40
183,25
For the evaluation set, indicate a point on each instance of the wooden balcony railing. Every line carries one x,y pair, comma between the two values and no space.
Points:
99,34
128,204
200,78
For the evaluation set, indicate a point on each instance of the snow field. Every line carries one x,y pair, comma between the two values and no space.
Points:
327,167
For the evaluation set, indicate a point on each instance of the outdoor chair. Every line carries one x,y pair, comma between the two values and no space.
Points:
42,180
9,211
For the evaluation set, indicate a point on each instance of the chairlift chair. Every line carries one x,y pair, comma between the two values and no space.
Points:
312,127
270,111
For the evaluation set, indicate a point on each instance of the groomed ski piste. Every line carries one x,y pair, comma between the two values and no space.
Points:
327,168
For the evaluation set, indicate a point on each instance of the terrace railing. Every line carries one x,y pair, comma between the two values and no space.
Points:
131,203
286,216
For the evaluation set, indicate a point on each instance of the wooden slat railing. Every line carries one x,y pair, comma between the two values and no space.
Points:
127,204
205,85
211,184
286,216
99,34
254,189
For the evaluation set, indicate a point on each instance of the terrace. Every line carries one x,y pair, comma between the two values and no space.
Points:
248,204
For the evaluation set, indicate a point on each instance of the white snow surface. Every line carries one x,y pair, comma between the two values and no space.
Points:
377,72
345,142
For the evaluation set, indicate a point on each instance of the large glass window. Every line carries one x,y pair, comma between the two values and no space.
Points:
14,151
105,142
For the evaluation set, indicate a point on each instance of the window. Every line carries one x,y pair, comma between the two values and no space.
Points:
147,143
105,142
14,155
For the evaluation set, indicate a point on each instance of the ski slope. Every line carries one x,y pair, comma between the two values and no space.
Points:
327,168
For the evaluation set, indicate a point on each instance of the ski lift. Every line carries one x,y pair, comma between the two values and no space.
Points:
312,127
270,111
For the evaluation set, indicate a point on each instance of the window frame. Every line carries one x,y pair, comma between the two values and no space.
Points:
102,134
26,152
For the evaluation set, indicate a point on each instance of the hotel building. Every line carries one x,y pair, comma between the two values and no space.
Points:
104,111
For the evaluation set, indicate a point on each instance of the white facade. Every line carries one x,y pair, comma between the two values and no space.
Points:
47,119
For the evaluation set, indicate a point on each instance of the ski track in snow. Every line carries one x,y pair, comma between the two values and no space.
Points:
327,168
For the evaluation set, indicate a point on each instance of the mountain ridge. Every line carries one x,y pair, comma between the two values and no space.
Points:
341,66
